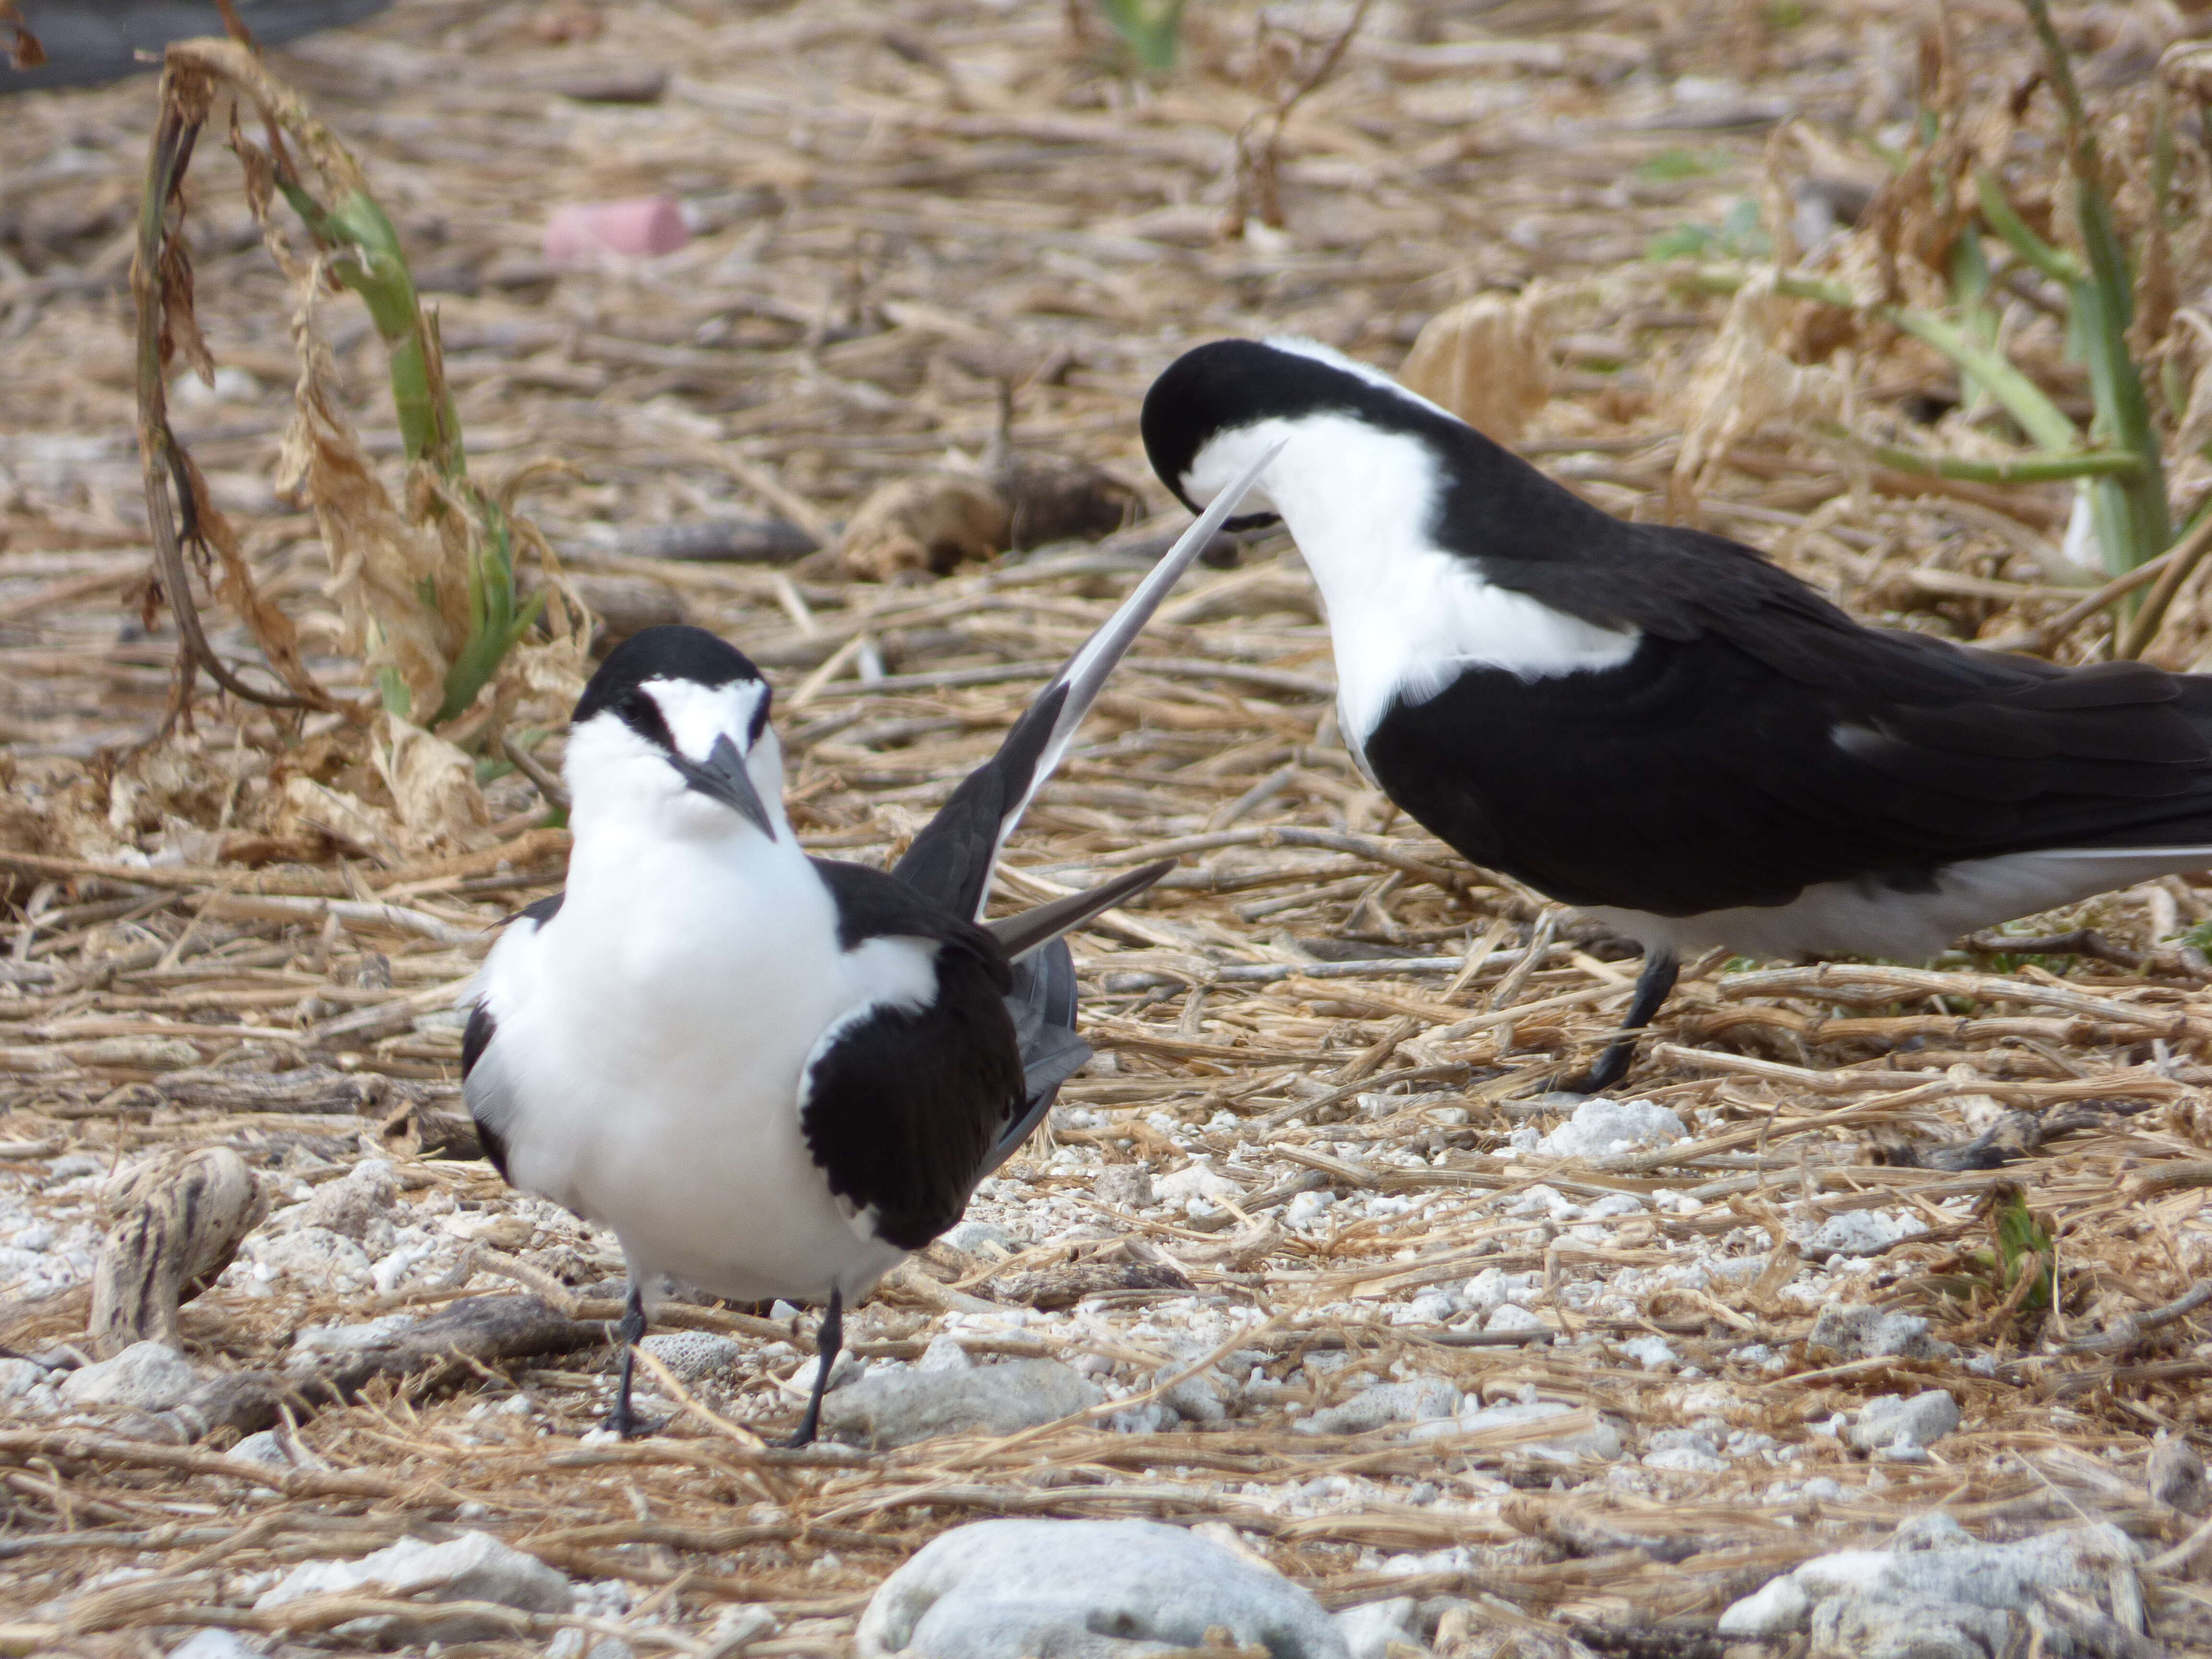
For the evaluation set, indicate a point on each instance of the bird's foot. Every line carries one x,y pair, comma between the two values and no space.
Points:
627,1425
1597,1080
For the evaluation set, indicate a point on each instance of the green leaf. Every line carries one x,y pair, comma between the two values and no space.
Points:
1151,29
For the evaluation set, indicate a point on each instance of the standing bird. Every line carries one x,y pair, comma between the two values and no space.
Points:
1656,725
774,1075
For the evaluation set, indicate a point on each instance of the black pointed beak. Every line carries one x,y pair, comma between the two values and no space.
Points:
723,777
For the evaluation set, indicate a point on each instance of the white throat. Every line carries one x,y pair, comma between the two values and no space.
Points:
1405,616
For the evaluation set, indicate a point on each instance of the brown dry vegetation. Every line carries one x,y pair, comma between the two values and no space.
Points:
902,214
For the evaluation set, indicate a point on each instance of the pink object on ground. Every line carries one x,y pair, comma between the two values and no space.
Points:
581,235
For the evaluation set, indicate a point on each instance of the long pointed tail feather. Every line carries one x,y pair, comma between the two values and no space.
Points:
1022,933
952,858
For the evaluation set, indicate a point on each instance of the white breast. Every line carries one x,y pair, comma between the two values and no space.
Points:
1405,616
650,1045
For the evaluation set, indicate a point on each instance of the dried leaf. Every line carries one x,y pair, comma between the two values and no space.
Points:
1488,360
927,524
381,565
345,818
1741,384
25,52
432,783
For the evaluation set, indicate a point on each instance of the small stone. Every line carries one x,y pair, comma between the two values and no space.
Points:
1010,1589
213,1643
945,1353
696,1356
316,1256
474,1567
19,1376
985,1239
1194,1399
1907,1628
581,235
897,1408
736,1627
1954,1601
1775,1608
2176,1476
357,1206
146,1377
266,1450
1511,1316
1860,1332
1862,1232
1918,1421
1127,1186
1370,1628
1652,1353
1492,1289
1197,1179
1686,1460
1607,1128
1418,1400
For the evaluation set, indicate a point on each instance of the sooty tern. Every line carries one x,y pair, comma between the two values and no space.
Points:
771,1074
1656,725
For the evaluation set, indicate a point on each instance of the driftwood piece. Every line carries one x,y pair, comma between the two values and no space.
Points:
418,1129
482,1330
308,1089
179,1222
241,1402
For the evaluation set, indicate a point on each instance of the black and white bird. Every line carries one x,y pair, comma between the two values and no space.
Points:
1656,725
773,1075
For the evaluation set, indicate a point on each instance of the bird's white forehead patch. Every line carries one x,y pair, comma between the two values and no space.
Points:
696,714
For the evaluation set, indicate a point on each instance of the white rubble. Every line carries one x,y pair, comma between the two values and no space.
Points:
474,1567
1915,1422
1418,1400
146,1377
1851,1332
1862,1232
1370,1628
1938,1596
1085,1589
1608,1129
212,1643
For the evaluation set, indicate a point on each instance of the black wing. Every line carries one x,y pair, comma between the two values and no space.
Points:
904,1108
1759,741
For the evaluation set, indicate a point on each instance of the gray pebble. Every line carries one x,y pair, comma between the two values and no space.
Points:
1421,1400
897,1408
1917,1422
696,1356
1085,1589
146,1376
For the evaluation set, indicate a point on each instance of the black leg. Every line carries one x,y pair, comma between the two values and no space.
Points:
1652,986
827,1341
629,1332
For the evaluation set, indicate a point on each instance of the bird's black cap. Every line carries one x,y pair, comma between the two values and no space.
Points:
674,651
1220,386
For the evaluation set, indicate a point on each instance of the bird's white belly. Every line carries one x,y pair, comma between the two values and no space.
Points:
652,1076
1866,917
